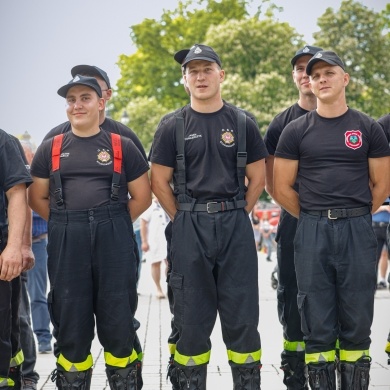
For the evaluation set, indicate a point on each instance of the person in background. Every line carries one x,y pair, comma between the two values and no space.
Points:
256,227
380,223
266,230
154,244
37,277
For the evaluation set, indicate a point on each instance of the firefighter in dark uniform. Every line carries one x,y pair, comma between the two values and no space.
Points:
214,259
15,256
91,259
293,355
333,152
112,126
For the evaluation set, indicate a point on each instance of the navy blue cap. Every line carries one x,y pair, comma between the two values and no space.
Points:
330,57
90,70
305,51
80,80
197,52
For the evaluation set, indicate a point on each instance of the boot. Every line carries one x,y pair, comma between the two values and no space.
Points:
295,370
128,378
77,380
245,378
172,374
322,376
189,378
15,373
355,376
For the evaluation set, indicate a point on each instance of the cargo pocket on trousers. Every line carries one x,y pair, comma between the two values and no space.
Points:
302,311
281,305
54,321
176,283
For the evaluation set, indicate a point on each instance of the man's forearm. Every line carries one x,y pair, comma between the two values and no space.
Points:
289,200
166,198
17,211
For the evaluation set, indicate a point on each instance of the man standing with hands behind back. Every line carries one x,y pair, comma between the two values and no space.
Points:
208,148
334,152
293,355
82,182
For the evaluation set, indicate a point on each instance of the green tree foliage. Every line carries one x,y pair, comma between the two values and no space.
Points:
255,52
256,57
151,71
144,114
361,38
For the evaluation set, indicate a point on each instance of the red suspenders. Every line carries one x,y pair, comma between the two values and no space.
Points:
55,162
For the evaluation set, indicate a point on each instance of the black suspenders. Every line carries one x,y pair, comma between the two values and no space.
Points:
241,153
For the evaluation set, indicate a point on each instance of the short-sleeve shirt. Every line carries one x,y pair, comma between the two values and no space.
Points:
277,125
384,121
108,125
86,169
210,151
13,171
333,158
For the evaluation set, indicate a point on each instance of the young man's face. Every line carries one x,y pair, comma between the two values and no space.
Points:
83,106
328,82
301,79
203,79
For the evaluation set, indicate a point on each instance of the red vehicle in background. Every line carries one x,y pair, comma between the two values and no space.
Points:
270,209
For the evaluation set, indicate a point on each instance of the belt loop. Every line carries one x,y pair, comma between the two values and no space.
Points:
193,201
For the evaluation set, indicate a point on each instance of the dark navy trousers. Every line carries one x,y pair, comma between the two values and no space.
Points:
335,261
287,292
215,269
92,272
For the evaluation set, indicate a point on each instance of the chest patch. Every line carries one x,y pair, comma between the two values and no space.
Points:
353,139
104,157
227,138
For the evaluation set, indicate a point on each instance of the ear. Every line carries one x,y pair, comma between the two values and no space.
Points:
101,104
108,94
346,79
221,75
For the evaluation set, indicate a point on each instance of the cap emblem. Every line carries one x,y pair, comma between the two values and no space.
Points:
77,78
318,55
305,50
198,50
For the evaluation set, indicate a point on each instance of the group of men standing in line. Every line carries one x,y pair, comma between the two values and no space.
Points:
326,164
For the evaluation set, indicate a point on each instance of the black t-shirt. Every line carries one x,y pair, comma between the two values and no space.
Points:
86,169
13,170
275,128
210,151
108,125
384,121
333,158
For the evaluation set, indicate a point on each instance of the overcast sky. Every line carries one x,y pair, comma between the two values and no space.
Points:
41,40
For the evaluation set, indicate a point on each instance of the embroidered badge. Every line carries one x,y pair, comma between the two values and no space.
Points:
353,139
103,157
227,138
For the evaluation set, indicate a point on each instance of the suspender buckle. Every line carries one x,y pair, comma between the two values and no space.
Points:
115,192
58,197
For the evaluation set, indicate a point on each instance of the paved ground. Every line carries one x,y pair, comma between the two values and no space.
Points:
155,327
